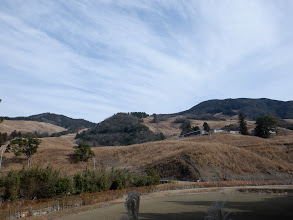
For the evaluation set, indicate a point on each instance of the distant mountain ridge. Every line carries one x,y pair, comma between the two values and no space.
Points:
55,119
252,108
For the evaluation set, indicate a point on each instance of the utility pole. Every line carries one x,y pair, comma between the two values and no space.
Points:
94,159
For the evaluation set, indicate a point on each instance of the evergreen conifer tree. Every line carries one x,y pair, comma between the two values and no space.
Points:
206,127
242,124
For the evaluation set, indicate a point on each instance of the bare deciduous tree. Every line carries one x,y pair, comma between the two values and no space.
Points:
132,204
216,212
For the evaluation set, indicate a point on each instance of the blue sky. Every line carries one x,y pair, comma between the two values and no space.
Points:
91,59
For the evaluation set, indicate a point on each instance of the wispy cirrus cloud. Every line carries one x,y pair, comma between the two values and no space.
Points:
91,59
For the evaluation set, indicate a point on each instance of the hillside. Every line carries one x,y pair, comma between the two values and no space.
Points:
171,128
252,108
59,120
219,157
224,156
120,129
8,126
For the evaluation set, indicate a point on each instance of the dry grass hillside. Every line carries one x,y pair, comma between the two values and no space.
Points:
222,156
9,126
171,129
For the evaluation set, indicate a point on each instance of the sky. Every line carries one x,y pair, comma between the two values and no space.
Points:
93,58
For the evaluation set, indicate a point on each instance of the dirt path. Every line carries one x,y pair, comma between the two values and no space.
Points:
191,204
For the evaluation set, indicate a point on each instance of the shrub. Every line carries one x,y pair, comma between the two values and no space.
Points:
64,186
77,183
45,183
83,152
34,183
153,177
11,185
91,181
231,127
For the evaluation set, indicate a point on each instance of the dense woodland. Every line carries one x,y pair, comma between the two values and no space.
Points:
59,120
120,129
252,108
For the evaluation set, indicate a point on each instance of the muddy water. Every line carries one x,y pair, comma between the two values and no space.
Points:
193,206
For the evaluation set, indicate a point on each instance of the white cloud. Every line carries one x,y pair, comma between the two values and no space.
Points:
95,58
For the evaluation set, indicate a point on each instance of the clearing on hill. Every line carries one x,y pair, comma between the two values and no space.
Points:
170,128
9,126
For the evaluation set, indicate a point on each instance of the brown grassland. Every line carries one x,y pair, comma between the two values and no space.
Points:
171,129
222,156
9,126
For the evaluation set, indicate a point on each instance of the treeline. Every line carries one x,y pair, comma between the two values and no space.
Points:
119,130
252,108
284,124
139,115
265,126
46,134
4,137
59,120
39,183
185,125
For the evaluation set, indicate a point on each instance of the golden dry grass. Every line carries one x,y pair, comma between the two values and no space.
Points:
237,154
29,126
206,153
170,129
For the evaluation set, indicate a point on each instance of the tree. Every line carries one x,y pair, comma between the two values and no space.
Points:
206,127
242,124
24,146
132,204
155,120
83,152
3,138
139,115
13,134
188,129
264,125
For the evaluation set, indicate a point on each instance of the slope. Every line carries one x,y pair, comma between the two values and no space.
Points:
8,126
120,129
252,108
59,120
171,128
224,156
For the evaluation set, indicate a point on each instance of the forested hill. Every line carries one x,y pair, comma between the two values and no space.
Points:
120,129
60,120
252,108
